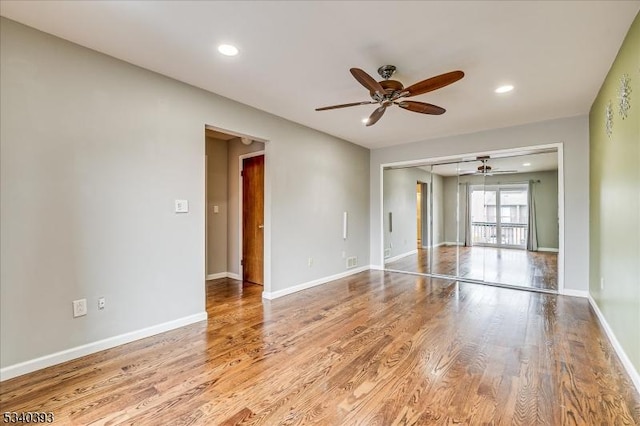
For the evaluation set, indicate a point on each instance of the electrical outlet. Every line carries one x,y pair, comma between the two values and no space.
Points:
101,303
344,254
601,283
310,262
79,308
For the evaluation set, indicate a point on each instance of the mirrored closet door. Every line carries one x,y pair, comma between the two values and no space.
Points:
492,219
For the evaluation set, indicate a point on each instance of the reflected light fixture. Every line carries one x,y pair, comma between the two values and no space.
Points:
228,50
365,120
526,164
504,89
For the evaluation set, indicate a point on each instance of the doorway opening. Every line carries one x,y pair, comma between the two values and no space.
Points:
234,249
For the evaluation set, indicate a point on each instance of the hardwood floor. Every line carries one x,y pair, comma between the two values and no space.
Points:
497,265
375,348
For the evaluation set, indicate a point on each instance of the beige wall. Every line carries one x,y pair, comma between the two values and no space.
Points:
615,201
217,196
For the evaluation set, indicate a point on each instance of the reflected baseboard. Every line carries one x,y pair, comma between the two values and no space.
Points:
400,256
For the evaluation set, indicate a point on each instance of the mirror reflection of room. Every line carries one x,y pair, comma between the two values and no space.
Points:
492,220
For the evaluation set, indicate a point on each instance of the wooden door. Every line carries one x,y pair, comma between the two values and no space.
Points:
253,219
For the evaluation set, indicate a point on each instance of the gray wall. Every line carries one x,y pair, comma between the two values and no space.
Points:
216,150
94,151
399,195
571,132
545,194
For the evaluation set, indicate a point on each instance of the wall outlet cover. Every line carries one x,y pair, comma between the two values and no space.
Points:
79,308
182,206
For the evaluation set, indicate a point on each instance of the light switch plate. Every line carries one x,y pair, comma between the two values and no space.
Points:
182,206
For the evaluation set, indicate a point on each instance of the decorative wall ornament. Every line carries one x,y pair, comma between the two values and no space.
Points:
624,96
608,120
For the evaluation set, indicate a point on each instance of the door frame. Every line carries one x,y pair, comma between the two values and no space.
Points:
241,159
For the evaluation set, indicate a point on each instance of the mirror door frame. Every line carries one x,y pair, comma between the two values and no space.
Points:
464,156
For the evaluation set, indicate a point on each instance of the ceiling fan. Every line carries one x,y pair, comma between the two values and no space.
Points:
389,92
486,170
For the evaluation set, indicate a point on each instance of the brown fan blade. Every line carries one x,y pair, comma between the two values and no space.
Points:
421,107
373,118
367,81
345,105
433,83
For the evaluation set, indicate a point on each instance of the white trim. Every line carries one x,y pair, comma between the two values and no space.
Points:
574,293
452,243
240,186
217,276
25,367
561,279
400,256
314,283
548,249
376,267
624,359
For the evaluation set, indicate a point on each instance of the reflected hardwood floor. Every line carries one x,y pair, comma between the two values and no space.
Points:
498,265
375,348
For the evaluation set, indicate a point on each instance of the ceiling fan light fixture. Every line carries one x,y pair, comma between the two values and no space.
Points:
504,89
228,50
526,164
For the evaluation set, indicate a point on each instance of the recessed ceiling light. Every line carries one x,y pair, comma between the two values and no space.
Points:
365,120
228,50
504,89
526,164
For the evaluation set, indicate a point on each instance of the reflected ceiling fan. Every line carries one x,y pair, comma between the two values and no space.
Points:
485,169
390,92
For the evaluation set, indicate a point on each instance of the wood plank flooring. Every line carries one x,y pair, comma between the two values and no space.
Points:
375,348
497,265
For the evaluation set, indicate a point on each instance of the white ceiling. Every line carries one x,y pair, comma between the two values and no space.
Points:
295,56
537,163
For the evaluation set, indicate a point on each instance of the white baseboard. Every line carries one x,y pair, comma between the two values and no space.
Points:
626,362
376,267
217,276
80,351
574,293
452,243
549,249
223,275
400,256
275,294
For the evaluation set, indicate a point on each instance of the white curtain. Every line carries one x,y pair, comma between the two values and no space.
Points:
532,235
